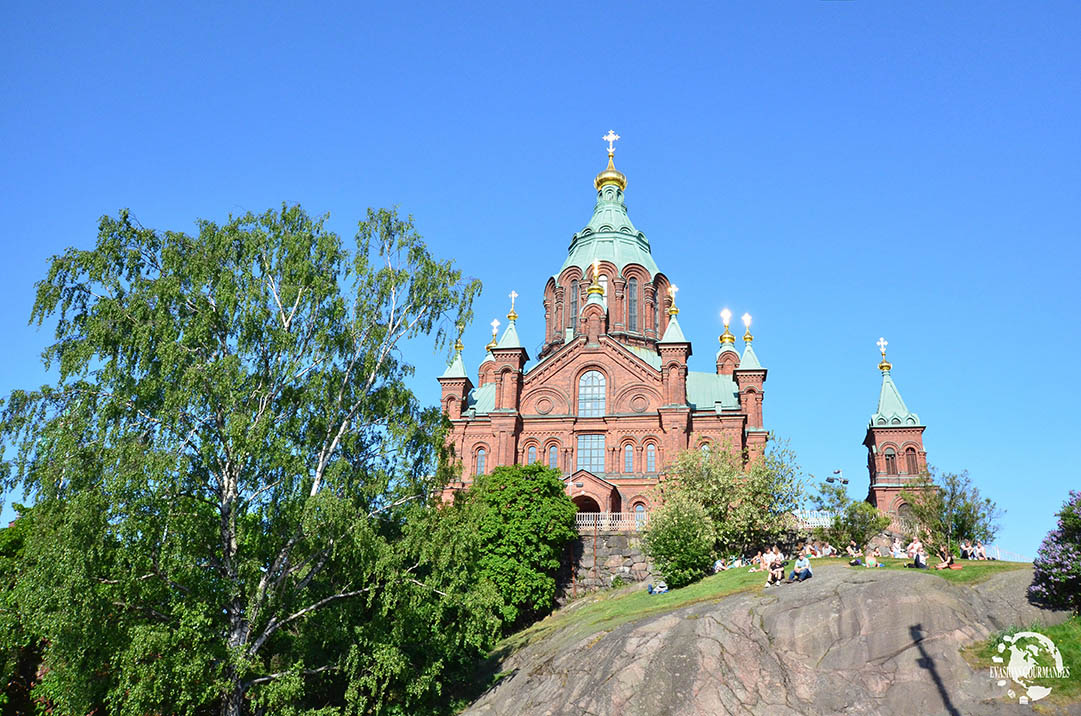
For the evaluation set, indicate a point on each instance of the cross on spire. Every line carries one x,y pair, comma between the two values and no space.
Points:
611,137
513,315
882,343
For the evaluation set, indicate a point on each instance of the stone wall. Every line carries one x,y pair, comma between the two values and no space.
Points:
591,562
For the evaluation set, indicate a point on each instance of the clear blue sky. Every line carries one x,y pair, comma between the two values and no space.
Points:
841,170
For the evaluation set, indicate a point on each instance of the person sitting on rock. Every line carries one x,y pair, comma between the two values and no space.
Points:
775,575
802,570
828,550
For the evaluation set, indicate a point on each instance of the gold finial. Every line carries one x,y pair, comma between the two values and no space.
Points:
495,331
512,316
595,287
727,337
610,175
885,365
747,337
672,311
458,341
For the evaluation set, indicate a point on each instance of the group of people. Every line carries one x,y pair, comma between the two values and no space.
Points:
772,561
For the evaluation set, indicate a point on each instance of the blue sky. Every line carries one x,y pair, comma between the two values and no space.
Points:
841,170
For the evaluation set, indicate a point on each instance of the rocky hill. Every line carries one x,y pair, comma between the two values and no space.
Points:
847,641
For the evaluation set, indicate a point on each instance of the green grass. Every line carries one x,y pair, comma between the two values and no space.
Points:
605,611
1067,637
971,572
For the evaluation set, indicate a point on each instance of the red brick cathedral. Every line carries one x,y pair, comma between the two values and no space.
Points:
609,400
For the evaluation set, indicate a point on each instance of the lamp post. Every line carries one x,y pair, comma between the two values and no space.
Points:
840,477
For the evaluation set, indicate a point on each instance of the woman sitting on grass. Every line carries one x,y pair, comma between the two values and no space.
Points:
946,557
872,558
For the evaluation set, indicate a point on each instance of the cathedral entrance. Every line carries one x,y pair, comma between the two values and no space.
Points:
585,503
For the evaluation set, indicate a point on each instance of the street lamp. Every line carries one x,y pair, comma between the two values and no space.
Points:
840,477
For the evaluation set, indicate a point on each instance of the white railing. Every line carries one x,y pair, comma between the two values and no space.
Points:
809,519
1004,554
611,521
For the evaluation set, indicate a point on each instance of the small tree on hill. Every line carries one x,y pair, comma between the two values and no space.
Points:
523,519
949,509
1057,578
852,520
748,506
680,540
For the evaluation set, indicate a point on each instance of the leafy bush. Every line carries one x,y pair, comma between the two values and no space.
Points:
1057,578
680,540
949,509
856,521
524,519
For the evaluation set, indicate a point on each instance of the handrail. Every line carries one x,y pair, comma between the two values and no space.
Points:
611,521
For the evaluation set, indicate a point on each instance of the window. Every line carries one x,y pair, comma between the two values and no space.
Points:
591,453
591,395
553,457
651,458
573,313
628,458
657,310
639,515
482,459
891,462
632,304
911,462
532,455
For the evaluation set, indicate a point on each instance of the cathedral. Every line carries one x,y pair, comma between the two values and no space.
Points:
609,400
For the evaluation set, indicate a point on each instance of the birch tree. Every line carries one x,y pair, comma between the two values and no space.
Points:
223,468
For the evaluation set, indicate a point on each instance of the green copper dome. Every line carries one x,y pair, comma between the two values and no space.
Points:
609,236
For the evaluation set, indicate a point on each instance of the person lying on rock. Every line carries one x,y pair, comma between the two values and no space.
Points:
802,570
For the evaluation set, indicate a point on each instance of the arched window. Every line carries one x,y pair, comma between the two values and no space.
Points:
591,395
628,458
651,458
553,457
891,462
632,304
532,455
482,460
911,462
573,312
639,515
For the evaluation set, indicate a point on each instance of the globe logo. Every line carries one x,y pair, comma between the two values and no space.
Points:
1024,657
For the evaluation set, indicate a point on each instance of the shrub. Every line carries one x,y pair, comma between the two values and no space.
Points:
524,519
680,540
1057,568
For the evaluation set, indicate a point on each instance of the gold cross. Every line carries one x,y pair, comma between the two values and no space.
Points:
513,295
610,138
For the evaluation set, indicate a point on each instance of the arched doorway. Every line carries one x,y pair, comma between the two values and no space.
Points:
585,503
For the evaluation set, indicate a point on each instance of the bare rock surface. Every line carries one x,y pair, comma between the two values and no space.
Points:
847,641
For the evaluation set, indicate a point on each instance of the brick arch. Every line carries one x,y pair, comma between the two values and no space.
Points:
561,402
622,400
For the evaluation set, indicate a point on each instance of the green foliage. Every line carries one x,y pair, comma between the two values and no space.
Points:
1057,568
229,474
748,505
852,521
523,519
949,509
680,540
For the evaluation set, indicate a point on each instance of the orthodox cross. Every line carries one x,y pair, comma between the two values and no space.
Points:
495,326
610,138
882,343
513,295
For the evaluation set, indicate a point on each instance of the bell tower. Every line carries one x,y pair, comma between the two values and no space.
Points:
896,459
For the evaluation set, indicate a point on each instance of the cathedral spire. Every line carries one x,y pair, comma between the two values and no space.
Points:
891,406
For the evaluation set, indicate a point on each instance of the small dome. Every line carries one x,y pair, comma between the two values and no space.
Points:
611,175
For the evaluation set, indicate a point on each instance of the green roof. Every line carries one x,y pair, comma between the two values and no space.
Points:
482,399
610,236
510,338
706,390
892,410
648,355
456,369
749,361
673,334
